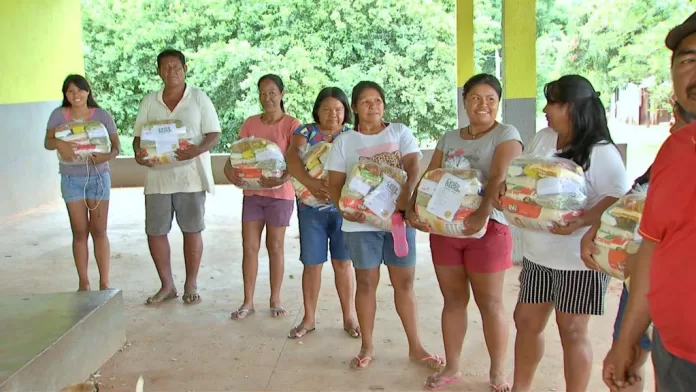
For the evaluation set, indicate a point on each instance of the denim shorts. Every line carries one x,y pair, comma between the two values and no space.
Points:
92,187
368,249
320,231
645,343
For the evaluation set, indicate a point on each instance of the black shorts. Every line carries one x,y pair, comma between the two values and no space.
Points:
574,292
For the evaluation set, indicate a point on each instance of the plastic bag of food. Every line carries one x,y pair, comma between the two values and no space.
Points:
161,139
314,158
373,189
541,191
446,197
89,137
618,237
254,158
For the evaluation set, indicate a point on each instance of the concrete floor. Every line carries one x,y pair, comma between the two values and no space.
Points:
198,348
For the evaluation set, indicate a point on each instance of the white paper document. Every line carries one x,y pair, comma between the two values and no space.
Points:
447,197
382,200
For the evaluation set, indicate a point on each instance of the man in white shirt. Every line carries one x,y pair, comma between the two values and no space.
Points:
180,187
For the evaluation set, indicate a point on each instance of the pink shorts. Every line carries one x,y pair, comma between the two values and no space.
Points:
488,254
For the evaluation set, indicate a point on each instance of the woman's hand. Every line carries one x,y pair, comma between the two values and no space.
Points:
140,158
357,217
100,157
474,223
415,222
571,226
272,182
497,204
588,248
65,149
319,189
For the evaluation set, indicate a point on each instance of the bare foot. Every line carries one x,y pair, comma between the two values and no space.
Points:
162,295
83,287
301,330
277,310
362,360
443,378
352,328
434,362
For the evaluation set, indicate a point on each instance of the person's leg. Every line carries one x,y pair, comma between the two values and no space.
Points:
365,249
72,189
672,374
578,295
98,196
486,261
252,228
313,254
344,274
159,213
402,272
534,306
190,215
277,216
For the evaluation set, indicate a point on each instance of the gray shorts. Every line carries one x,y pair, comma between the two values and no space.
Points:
160,209
672,374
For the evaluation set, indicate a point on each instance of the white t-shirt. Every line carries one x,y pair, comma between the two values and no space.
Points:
197,113
606,177
389,146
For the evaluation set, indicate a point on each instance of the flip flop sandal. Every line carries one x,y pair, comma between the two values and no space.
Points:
191,298
278,311
361,363
159,298
440,382
500,387
299,332
428,362
241,313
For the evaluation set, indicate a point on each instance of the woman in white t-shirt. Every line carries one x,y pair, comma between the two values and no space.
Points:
390,144
553,275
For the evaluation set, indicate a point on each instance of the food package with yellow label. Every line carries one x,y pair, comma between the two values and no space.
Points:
541,191
446,197
314,159
617,237
88,137
161,139
254,158
373,189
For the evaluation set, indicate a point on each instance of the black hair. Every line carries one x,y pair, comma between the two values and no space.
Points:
587,116
482,78
278,82
80,82
359,89
332,92
171,53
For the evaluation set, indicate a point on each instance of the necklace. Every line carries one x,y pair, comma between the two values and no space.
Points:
476,135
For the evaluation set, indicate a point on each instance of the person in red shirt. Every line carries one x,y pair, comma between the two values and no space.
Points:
665,272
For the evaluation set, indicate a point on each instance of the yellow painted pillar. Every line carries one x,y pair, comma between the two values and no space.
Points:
465,51
519,66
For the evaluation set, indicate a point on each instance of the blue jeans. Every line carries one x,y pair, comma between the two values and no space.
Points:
320,231
645,340
92,187
369,249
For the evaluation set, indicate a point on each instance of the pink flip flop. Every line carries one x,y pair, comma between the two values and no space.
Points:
398,230
444,380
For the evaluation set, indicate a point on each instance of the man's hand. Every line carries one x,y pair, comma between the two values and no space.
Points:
474,223
620,364
588,248
188,153
140,158
571,226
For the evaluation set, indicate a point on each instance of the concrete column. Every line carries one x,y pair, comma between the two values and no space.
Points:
42,43
465,53
519,76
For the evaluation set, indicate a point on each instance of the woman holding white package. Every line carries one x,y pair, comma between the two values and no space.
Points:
270,208
85,180
554,276
487,146
320,225
390,145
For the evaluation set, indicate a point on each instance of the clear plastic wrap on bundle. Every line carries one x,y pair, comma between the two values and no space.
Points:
617,237
373,189
314,159
542,191
89,138
161,139
255,158
446,197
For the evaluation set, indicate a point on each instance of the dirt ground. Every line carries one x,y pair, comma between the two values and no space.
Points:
179,347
